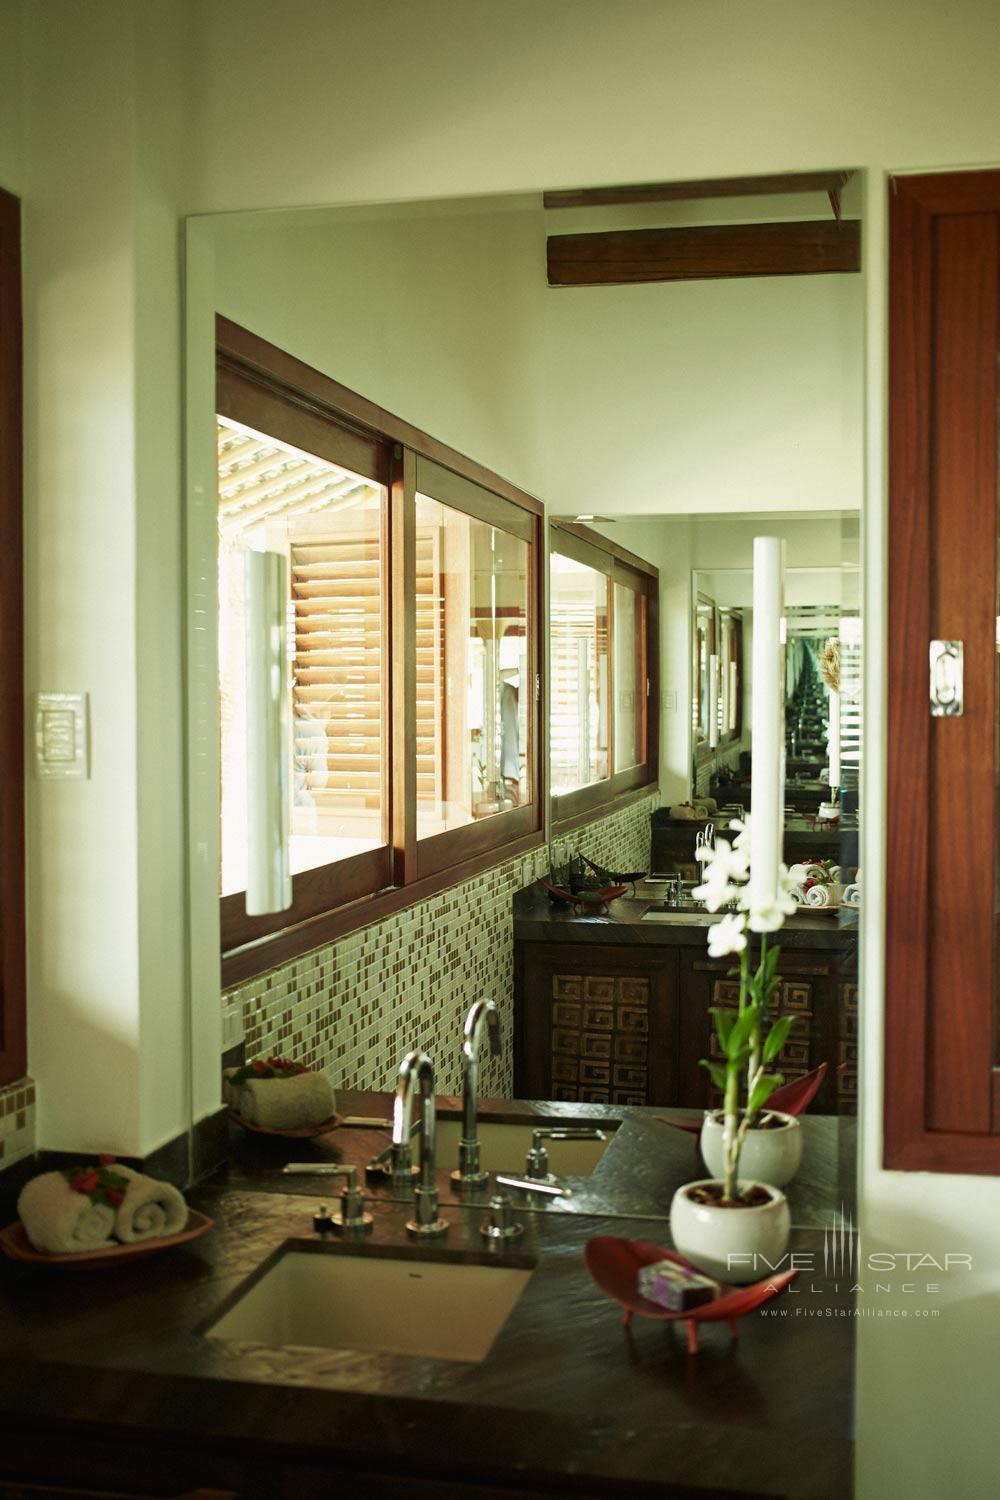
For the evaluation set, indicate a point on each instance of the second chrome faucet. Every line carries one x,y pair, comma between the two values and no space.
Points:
483,1013
417,1071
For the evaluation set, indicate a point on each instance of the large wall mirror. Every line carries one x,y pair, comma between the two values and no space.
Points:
676,422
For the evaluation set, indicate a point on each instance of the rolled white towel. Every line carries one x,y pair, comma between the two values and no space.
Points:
815,872
798,895
287,1103
799,873
824,895
58,1218
149,1210
852,894
818,895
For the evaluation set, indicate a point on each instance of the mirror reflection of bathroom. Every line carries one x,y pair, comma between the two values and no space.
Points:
575,477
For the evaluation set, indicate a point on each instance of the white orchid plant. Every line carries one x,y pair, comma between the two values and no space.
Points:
747,1050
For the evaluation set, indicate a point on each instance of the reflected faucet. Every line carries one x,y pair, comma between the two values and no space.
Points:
470,1173
416,1069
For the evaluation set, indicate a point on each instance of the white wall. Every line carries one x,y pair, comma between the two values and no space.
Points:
107,1002
435,314
11,115
704,396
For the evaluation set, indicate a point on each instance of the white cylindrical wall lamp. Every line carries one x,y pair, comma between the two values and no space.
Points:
767,720
713,701
833,743
268,719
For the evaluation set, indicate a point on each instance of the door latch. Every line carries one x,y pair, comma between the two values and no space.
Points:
947,691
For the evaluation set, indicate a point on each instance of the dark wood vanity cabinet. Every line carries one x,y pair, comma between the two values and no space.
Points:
594,1023
628,1024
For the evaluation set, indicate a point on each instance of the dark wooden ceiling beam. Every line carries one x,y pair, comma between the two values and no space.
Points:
706,253
711,187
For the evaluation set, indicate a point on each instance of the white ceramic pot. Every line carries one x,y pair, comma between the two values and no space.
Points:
737,1245
770,1156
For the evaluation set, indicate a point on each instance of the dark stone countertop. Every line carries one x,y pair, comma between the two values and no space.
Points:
537,919
573,1399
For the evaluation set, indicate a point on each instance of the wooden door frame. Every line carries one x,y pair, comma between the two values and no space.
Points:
13,1027
940,1110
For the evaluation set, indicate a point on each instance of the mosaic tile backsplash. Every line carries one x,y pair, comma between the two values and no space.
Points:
17,1121
355,1007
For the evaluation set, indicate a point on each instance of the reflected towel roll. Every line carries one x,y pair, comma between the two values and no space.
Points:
852,895
824,895
798,895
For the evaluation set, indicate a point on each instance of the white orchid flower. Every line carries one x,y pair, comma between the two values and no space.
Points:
726,936
768,916
716,893
742,827
724,862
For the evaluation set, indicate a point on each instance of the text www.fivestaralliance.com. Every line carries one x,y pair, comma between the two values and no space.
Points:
850,1312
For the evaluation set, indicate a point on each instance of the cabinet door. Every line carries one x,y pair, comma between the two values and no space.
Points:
809,990
596,1024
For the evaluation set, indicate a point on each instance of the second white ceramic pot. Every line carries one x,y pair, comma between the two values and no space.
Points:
771,1155
736,1245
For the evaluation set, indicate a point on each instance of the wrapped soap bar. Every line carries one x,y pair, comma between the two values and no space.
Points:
675,1287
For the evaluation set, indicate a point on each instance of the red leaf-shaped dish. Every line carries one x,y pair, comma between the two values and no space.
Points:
614,1265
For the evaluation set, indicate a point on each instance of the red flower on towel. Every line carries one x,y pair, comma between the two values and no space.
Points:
99,1184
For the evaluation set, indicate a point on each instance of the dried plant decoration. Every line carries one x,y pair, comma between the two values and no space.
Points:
829,664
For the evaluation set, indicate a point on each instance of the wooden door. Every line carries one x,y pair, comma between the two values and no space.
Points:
940,1109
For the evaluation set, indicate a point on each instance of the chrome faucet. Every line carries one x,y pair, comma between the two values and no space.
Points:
416,1069
470,1173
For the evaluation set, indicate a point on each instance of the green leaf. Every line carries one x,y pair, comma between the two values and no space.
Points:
776,1037
718,1074
741,1033
763,1090
724,1021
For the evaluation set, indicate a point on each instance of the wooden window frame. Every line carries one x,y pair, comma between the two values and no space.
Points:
583,545
13,1000
942,1102
734,618
703,752
339,898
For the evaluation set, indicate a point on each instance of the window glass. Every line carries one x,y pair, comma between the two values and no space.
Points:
579,620
473,690
629,636
329,523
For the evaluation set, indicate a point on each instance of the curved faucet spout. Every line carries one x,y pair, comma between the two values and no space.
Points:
484,1012
416,1070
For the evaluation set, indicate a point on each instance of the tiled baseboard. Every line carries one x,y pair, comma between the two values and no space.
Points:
354,1008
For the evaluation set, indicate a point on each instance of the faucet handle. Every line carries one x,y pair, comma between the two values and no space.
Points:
536,1164
500,1224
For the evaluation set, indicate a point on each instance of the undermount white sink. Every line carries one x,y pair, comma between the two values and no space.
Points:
503,1147
377,1303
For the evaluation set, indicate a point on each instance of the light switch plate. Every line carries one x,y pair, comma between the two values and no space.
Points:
61,736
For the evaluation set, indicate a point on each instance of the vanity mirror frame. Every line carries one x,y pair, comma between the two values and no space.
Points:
942,1083
13,1026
